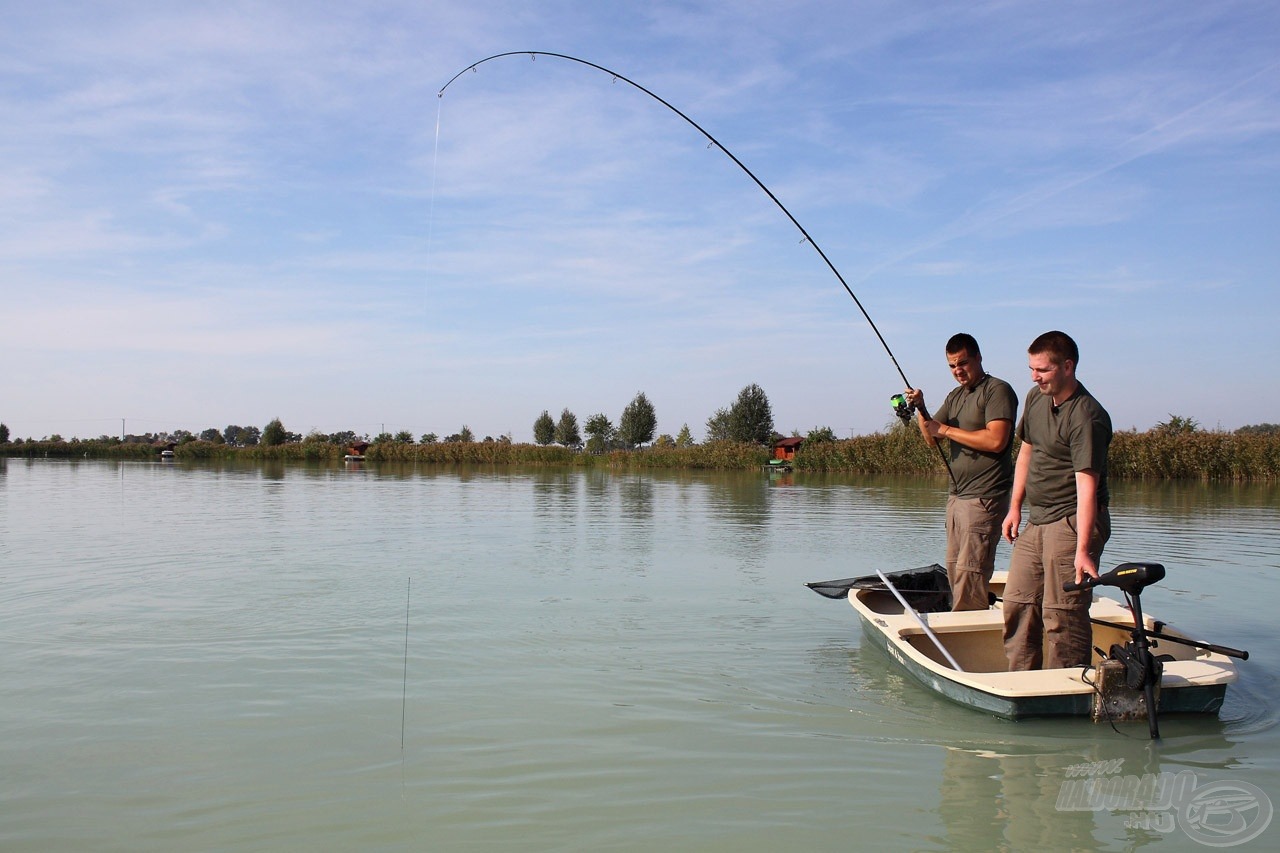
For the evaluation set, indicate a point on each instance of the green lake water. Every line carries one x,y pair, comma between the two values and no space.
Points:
359,657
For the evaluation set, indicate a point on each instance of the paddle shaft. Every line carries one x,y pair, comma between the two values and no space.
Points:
932,636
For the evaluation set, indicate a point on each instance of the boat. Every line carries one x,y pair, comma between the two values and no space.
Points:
961,655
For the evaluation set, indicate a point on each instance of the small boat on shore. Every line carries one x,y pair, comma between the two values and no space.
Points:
961,655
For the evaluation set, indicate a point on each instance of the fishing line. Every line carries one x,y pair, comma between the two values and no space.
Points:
404,690
534,54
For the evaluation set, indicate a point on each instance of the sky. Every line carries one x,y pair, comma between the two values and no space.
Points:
216,214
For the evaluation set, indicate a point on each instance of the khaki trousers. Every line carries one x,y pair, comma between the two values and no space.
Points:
973,531
1045,627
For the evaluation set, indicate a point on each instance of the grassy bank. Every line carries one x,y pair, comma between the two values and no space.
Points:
1151,455
723,455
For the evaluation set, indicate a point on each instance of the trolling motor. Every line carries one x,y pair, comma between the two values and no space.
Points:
1142,669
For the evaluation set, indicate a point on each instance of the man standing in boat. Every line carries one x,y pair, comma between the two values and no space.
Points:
1061,474
977,420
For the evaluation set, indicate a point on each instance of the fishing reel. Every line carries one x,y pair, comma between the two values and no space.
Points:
902,408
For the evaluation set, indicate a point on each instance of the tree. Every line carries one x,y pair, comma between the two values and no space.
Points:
1251,429
429,438
638,422
817,435
274,433
1177,425
600,433
684,438
465,435
231,435
751,417
212,435
250,436
544,429
566,431
4,434
404,437
718,426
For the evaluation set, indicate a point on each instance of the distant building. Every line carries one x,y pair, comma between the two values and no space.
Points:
785,448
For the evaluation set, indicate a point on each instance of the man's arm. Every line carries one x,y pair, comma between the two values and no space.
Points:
1013,520
992,438
916,398
1086,517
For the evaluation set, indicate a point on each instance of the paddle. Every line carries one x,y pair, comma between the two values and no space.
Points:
920,619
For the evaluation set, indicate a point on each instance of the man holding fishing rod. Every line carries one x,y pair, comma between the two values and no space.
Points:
1061,473
977,420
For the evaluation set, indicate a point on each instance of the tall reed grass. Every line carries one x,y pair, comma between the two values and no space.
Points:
1152,455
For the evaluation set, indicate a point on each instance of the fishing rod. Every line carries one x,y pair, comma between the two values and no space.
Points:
534,54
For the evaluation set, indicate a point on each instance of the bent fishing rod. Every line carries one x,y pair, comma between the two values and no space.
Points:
534,54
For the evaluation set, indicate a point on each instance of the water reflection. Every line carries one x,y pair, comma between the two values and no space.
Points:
1014,797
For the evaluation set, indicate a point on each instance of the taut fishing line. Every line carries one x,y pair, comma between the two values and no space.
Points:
533,54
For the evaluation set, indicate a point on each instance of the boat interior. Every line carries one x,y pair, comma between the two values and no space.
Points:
976,638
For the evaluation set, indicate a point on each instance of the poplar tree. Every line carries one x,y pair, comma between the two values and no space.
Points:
544,429
751,416
566,431
638,422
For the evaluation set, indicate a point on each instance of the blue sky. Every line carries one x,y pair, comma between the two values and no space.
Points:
223,213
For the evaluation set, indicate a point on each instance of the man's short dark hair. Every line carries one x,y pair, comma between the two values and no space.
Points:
1057,345
963,342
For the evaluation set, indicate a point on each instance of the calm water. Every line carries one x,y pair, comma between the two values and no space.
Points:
214,658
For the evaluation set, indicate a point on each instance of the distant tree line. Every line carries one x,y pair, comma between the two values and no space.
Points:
748,419
1176,448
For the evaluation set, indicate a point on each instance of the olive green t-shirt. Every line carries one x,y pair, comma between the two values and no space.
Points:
1064,439
980,473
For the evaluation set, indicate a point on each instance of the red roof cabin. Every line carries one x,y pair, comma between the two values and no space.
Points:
785,448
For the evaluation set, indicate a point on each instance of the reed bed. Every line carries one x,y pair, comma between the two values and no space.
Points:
1202,455
1152,455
